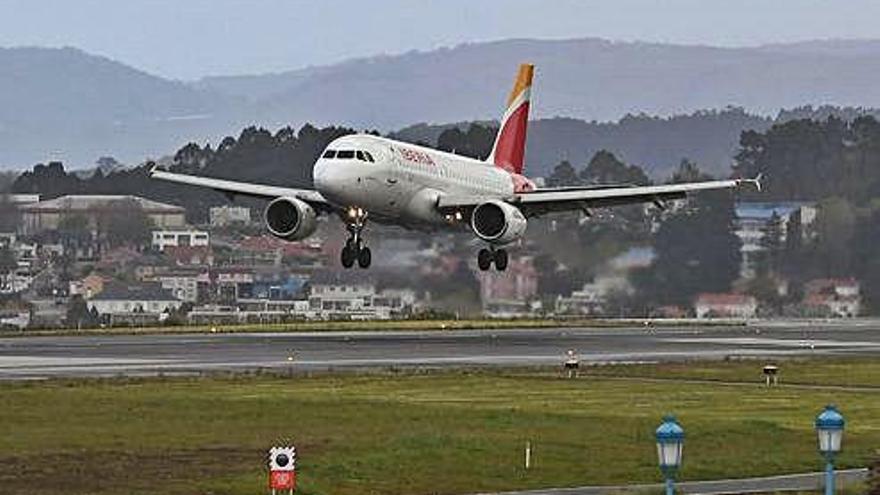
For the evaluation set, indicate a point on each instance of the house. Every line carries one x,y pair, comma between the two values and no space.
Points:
136,304
725,306
353,296
840,297
344,295
273,285
190,255
222,216
88,287
265,250
179,238
47,215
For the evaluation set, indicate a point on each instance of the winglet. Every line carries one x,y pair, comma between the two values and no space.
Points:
154,167
755,182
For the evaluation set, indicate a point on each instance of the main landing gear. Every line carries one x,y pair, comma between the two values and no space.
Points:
354,249
485,258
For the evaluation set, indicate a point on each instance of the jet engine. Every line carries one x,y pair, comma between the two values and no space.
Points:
498,222
290,219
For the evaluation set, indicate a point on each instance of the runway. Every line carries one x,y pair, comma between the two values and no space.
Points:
80,356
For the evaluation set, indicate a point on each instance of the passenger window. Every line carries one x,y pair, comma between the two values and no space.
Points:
345,154
330,154
369,156
360,155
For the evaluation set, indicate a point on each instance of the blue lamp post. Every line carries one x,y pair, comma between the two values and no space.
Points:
829,428
670,440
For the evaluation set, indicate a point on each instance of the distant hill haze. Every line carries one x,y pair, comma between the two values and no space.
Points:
66,104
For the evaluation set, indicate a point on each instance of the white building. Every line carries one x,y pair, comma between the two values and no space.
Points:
725,306
353,296
839,298
221,216
184,286
140,303
166,238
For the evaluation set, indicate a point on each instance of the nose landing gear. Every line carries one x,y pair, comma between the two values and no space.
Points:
485,258
354,249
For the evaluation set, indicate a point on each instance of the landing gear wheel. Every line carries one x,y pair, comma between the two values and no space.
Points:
365,257
484,259
347,256
501,260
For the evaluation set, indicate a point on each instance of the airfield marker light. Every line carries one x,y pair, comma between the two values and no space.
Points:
670,441
829,429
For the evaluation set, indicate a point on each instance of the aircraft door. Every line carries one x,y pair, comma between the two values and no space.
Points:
397,182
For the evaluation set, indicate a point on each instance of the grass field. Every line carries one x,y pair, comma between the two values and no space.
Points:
373,325
453,432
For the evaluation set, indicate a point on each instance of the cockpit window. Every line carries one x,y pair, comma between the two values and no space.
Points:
360,155
343,154
369,156
330,154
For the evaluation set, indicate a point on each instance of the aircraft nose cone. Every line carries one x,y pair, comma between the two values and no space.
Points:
327,181
319,176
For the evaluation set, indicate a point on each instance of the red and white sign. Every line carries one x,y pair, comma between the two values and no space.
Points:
282,480
282,468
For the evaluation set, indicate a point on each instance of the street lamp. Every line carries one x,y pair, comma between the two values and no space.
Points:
829,429
670,439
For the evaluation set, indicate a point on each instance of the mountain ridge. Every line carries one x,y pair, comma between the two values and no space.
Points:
64,103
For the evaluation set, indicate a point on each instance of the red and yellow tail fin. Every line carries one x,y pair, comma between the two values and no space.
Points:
510,143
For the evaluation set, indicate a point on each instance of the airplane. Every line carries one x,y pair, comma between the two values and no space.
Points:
362,176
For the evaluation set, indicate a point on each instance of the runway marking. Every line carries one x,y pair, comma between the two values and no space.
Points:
68,362
753,341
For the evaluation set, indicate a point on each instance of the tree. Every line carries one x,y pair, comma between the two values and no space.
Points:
563,175
8,263
688,171
476,142
697,251
772,246
835,228
10,218
605,168
78,313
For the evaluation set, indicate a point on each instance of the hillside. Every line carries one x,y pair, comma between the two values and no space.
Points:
589,79
656,144
68,105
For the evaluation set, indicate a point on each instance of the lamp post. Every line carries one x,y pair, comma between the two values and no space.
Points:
670,439
829,429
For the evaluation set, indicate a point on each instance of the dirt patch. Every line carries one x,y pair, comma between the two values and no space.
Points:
130,472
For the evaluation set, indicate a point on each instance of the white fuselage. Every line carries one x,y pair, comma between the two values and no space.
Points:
401,183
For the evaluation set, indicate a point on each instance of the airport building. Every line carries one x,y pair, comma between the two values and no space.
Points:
47,215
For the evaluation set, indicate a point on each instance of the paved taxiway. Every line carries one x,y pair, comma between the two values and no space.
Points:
42,357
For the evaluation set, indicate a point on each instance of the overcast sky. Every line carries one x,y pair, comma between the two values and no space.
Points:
186,39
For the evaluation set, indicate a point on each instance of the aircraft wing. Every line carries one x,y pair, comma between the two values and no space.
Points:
242,188
540,201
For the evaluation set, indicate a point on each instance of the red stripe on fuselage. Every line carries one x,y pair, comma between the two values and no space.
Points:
510,150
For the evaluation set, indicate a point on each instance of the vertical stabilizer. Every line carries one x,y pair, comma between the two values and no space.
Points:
509,149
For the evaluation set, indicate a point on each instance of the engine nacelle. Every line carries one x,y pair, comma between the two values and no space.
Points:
290,219
498,222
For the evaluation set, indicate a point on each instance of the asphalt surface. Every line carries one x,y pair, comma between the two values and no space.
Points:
789,482
45,357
